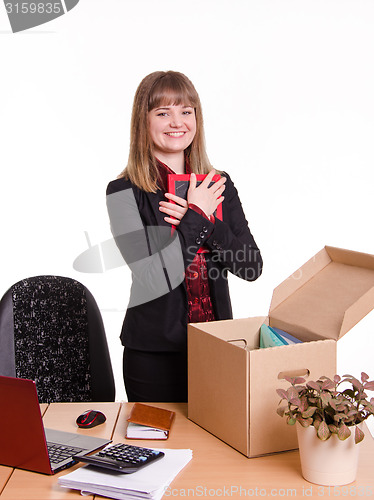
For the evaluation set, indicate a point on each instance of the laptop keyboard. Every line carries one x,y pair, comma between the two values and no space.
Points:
58,452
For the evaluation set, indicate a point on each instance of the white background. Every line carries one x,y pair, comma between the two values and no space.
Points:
287,93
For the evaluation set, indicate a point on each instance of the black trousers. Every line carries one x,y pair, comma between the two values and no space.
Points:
155,376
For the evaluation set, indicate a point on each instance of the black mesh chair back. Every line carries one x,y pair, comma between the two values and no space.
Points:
51,331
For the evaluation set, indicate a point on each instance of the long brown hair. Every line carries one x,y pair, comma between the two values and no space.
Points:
162,88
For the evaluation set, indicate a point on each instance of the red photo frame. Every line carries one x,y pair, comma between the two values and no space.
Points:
178,184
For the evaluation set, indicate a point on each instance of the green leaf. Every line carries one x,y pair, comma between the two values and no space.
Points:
304,405
281,410
299,380
343,432
369,407
323,431
295,380
309,412
333,429
282,393
327,384
333,404
305,422
352,413
325,398
340,417
317,420
356,383
369,386
314,385
359,435
364,377
292,394
291,421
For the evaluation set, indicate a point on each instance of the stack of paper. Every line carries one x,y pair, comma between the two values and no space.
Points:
150,482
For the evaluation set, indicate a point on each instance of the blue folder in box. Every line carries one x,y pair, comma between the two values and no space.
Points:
290,339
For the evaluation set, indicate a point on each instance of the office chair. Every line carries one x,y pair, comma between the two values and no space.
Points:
51,331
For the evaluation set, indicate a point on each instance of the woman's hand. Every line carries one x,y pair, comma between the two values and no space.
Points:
174,211
205,197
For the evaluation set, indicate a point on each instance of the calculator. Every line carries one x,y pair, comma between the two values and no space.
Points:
120,457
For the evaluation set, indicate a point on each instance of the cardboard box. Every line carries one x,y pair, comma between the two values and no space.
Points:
232,387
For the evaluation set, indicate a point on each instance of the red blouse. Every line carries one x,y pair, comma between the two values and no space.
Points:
200,308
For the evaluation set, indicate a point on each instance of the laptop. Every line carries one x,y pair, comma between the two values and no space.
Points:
24,442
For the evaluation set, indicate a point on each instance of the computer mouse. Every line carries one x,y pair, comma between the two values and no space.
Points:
90,418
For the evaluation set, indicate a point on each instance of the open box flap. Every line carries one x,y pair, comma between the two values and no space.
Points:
357,311
327,296
299,278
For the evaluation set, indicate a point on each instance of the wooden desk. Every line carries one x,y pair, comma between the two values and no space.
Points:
216,469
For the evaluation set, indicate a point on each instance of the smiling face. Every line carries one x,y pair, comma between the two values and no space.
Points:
172,129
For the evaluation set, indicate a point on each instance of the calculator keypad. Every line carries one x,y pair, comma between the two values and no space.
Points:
123,457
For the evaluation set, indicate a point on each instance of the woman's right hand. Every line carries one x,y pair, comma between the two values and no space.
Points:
205,197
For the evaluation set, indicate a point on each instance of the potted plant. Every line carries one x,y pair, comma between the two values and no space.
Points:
330,414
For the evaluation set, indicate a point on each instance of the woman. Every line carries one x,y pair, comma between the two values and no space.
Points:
178,251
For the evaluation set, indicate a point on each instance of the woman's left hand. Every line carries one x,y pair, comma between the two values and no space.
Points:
174,211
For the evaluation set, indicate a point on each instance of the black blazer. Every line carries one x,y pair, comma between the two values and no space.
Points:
156,318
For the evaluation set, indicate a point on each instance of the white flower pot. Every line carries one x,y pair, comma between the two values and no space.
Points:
329,463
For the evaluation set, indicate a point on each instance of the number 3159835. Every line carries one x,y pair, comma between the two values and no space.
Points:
33,8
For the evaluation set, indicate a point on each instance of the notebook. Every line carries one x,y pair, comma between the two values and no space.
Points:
149,422
23,439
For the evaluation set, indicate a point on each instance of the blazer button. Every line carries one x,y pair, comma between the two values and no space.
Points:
205,230
202,235
214,243
198,241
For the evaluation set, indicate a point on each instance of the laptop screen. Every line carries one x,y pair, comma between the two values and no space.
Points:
22,440
23,437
